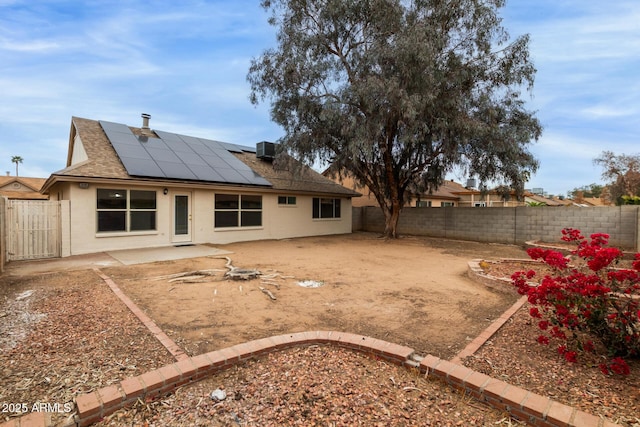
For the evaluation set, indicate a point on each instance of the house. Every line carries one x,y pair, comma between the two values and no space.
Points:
20,188
539,200
133,187
449,193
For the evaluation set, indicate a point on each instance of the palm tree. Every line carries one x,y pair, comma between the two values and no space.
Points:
16,160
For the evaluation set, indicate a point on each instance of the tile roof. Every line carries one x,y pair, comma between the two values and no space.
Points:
103,162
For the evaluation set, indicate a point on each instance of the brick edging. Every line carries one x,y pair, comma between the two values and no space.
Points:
158,333
520,403
479,341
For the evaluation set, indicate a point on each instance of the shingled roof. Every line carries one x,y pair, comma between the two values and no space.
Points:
102,162
14,187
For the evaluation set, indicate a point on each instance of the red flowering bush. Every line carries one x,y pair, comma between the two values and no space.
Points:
587,302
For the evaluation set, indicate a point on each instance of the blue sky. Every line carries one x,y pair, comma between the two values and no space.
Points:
185,63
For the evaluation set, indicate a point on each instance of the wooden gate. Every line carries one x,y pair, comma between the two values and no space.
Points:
33,229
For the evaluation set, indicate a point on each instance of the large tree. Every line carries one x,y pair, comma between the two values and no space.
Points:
397,93
623,173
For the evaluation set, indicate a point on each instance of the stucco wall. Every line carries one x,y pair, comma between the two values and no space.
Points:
512,225
278,222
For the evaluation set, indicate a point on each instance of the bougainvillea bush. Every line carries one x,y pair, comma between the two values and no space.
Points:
586,302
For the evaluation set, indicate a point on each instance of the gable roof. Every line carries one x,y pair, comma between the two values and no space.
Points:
92,156
448,190
541,199
14,187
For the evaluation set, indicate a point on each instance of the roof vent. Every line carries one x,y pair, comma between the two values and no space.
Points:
145,120
265,150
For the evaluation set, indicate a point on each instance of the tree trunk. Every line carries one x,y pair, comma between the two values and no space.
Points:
391,217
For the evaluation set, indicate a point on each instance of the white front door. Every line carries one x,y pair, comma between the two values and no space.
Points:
181,217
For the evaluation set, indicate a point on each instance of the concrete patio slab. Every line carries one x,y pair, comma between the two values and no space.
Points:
168,253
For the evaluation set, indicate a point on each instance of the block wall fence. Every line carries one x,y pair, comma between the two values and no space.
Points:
515,225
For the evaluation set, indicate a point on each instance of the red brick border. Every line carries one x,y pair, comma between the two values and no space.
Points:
479,341
167,342
519,403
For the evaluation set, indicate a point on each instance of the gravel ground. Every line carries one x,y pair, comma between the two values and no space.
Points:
314,386
59,343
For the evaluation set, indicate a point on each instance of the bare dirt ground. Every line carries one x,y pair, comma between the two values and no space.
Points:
409,291
65,333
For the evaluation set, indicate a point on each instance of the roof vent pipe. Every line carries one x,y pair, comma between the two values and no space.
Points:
145,120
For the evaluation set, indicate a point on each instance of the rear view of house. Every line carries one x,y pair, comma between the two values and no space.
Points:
132,187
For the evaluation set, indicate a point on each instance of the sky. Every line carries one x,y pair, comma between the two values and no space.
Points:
185,63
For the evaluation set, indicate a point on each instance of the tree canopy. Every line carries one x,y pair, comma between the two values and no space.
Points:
396,94
591,190
623,174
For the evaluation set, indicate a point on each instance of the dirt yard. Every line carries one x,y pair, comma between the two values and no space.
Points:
413,291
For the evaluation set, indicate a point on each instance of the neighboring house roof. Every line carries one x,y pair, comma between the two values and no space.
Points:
595,201
13,187
449,190
541,199
92,155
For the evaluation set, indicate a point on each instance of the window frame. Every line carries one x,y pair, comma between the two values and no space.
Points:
289,201
246,211
317,208
129,222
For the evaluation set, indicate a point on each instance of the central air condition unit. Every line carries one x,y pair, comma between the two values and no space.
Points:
265,150
471,183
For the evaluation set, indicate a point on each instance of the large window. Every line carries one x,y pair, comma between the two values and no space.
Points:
126,210
237,210
326,208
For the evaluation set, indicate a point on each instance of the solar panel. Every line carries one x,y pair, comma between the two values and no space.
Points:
176,170
177,156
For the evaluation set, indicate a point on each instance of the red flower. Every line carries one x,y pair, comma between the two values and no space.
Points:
543,324
571,356
588,347
543,340
581,302
604,368
619,366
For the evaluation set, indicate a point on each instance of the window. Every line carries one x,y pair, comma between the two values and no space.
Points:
423,204
126,210
287,200
326,208
447,204
237,210
480,205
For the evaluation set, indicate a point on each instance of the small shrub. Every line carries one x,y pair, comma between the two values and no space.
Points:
578,304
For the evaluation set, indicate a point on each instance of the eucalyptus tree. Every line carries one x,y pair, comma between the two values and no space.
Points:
396,93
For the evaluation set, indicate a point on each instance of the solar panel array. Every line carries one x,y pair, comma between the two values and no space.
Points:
180,157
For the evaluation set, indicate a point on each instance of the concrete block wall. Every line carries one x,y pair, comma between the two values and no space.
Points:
511,225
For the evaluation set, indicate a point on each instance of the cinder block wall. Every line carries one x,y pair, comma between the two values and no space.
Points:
511,225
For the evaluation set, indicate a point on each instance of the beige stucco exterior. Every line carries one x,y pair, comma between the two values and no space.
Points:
278,221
